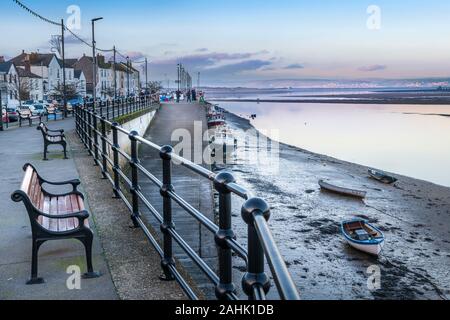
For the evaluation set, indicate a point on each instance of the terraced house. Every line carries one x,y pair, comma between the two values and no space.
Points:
9,84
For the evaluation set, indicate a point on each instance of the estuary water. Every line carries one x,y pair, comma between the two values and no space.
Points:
411,140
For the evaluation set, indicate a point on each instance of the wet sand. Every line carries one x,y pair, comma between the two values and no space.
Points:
413,214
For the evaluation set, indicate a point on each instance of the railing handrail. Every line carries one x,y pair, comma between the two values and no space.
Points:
255,211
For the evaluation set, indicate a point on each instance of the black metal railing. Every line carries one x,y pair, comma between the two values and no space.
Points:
255,211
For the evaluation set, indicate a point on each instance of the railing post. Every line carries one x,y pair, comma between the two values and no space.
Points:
255,276
89,113
225,286
95,125
167,224
104,150
116,167
107,109
134,177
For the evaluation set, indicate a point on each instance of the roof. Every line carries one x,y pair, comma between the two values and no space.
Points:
84,64
70,62
78,73
27,74
5,66
35,59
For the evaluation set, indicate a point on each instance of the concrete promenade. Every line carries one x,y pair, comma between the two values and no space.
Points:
130,267
19,146
194,189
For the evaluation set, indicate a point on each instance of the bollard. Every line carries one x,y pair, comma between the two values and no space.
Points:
104,150
95,131
167,224
116,167
255,275
225,286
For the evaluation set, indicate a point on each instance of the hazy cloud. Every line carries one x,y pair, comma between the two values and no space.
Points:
201,50
249,65
371,68
294,66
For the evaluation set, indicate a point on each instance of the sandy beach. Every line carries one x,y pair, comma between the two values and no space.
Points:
413,214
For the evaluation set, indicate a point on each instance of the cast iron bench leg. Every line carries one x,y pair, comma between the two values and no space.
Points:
34,264
87,242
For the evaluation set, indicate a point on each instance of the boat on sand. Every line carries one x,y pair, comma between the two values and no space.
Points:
363,236
382,176
342,190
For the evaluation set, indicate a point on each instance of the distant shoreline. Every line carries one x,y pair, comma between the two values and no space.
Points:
445,101
392,97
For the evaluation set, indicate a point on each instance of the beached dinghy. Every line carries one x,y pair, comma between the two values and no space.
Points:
363,236
381,176
342,190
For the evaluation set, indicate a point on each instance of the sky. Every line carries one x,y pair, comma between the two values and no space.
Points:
234,42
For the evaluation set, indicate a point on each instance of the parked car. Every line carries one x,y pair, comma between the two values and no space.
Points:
76,102
4,116
39,109
26,107
13,115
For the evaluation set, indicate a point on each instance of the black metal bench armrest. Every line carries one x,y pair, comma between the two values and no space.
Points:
59,130
80,215
55,135
75,183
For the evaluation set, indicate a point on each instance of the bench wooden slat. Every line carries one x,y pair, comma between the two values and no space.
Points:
62,209
26,182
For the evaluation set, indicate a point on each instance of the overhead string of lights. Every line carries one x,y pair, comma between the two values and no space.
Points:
34,13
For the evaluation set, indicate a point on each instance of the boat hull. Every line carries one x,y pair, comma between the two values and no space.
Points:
372,246
381,177
372,249
342,191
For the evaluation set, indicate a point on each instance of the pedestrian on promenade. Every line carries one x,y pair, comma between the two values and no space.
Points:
194,95
178,96
189,99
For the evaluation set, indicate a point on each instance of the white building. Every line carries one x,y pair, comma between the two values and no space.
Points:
9,84
80,80
48,67
31,83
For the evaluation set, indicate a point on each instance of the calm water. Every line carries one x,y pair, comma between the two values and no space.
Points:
402,139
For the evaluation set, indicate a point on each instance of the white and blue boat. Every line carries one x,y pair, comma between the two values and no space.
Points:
363,236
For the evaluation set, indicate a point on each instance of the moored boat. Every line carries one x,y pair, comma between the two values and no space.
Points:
382,176
363,236
216,120
342,191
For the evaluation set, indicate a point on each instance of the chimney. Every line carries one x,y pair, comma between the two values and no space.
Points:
100,59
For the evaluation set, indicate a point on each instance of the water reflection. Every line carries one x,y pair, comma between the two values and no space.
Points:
406,139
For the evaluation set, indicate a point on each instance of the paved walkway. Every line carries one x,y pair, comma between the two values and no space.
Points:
19,146
190,186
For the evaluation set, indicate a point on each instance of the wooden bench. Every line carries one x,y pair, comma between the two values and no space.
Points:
54,217
52,111
52,137
26,115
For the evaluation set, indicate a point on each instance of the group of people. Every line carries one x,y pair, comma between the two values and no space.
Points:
190,95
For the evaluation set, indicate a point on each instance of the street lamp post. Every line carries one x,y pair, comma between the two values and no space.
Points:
64,68
94,63
1,110
128,76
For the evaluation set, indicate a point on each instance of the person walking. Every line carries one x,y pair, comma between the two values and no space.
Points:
189,99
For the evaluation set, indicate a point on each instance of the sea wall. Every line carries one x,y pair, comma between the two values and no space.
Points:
139,124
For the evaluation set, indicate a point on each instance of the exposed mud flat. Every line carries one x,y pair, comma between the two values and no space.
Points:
413,214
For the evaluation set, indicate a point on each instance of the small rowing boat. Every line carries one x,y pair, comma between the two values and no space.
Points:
342,191
382,176
362,236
